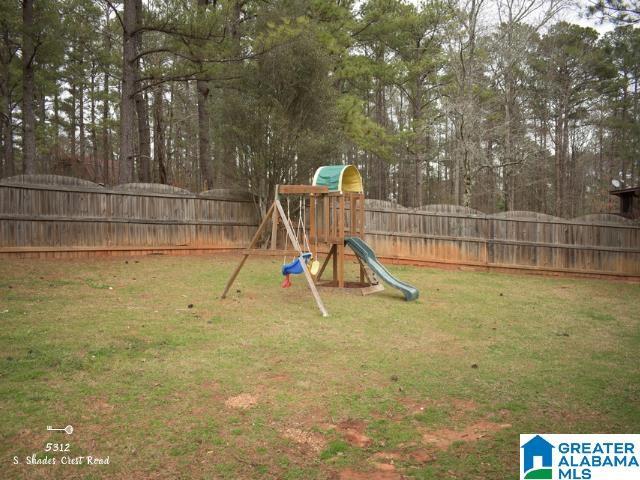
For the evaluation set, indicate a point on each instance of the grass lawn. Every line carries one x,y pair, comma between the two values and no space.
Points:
261,386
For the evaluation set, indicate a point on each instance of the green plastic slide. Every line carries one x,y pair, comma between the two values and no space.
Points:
368,256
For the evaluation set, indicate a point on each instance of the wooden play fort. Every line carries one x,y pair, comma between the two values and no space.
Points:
328,216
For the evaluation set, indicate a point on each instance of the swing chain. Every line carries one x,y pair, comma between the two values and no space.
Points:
301,226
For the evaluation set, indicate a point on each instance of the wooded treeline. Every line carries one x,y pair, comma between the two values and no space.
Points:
493,104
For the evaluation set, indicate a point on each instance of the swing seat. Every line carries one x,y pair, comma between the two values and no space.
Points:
295,267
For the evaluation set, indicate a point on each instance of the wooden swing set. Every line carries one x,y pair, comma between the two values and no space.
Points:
333,214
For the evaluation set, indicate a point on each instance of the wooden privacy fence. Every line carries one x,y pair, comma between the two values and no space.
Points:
45,215
601,244
49,215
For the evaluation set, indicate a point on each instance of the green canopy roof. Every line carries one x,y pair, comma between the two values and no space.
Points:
339,178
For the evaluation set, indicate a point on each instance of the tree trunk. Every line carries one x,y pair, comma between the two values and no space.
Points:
67,162
28,115
204,142
419,144
563,164
56,129
158,134
94,135
6,121
7,138
171,134
226,163
380,172
419,181
127,100
142,110
508,147
558,164
106,143
468,183
144,136
82,136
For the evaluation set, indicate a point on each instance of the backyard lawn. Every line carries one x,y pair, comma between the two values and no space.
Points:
161,378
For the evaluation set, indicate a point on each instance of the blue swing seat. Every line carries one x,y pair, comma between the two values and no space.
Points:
295,267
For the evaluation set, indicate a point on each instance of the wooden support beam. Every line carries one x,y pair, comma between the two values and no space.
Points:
354,213
254,241
335,263
341,217
340,256
302,189
305,270
325,227
274,230
234,275
363,271
362,215
340,252
334,217
372,289
274,226
313,228
261,252
332,252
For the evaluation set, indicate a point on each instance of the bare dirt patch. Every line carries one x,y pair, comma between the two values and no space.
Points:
99,405
421,456
457,406
200,411
388,457
386,415
350,474
415,406
28,438
211,385
385,467
443,438
89,436
313,440
464,406
310,417
503,412
386,460
214,389
279,378
243,401
574,417
564,292
353,432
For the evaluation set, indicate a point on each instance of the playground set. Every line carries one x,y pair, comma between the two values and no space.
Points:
332,211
